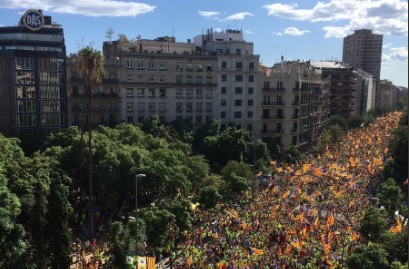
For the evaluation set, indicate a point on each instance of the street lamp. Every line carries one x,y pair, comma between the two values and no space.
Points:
136,210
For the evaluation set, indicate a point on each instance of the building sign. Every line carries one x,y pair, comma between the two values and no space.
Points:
33,20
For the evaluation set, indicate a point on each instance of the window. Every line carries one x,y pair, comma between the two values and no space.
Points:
189,67
251,65
129,92
199,107
199,93
237,115
239,65
162,119
238,78
249,114
224,78
223,90
76,119
223,114
129,77
199,67
151,106
129,106
250,90
141,92
151,92
141,106
189,79
189,106
151,65
162,93
129,65
223,102
129,119
209,93
178,67
209,80
162,106
179,93
209,68
251,78
224,65
151,78
162,78
189,93
140,78
209,106
141,119
179,79
162,66
238,90
249,127
140,65
199,80
199,119
178,106
238,51
250,102
237,102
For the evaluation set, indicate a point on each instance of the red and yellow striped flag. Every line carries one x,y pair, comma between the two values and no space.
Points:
330,220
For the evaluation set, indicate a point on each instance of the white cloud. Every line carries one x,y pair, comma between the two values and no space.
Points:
91,8
278,33
387,45
395,56
294,31
382,16
248,32
237,16
208,14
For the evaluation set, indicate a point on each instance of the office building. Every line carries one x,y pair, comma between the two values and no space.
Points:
32,79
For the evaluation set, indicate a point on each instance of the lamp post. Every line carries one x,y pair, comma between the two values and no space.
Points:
136,210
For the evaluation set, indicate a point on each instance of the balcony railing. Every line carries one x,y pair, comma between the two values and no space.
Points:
272,131
266,117
272,103
268,89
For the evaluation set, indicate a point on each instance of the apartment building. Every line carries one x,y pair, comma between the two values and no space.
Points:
101,105
32,79
388,94
363,50
237,77
293,105
352,91
166,78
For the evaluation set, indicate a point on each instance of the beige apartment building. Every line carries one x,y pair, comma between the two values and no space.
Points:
388,93
293,104
102,105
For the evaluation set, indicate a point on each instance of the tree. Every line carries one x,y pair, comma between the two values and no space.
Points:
90,64
293,154
12,234
373,225
209,197
237,184
367,257
336,133
157,220
390,196
57,230
355,121
339,120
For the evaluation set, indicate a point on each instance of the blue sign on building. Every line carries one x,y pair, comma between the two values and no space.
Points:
33,20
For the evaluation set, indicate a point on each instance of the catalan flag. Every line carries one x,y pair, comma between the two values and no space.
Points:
189,261
257,251
330,220
151,262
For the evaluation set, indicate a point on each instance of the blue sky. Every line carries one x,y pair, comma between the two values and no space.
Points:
299,29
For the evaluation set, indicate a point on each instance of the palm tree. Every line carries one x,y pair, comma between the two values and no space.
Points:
90,64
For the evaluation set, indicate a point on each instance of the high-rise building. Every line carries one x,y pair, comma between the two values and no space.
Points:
32,79
363,50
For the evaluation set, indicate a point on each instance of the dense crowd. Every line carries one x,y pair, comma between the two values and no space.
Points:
308,217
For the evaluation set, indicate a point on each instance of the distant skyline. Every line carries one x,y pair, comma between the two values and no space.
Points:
305,30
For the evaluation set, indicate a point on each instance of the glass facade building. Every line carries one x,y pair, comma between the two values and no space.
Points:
32,81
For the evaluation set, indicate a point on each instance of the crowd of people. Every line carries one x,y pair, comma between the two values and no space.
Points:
308,216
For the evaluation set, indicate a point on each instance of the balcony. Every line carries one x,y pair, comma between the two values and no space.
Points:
110,81
272,131
273,117
268,89
272,103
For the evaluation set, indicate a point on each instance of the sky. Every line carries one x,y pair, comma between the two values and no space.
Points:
295,29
